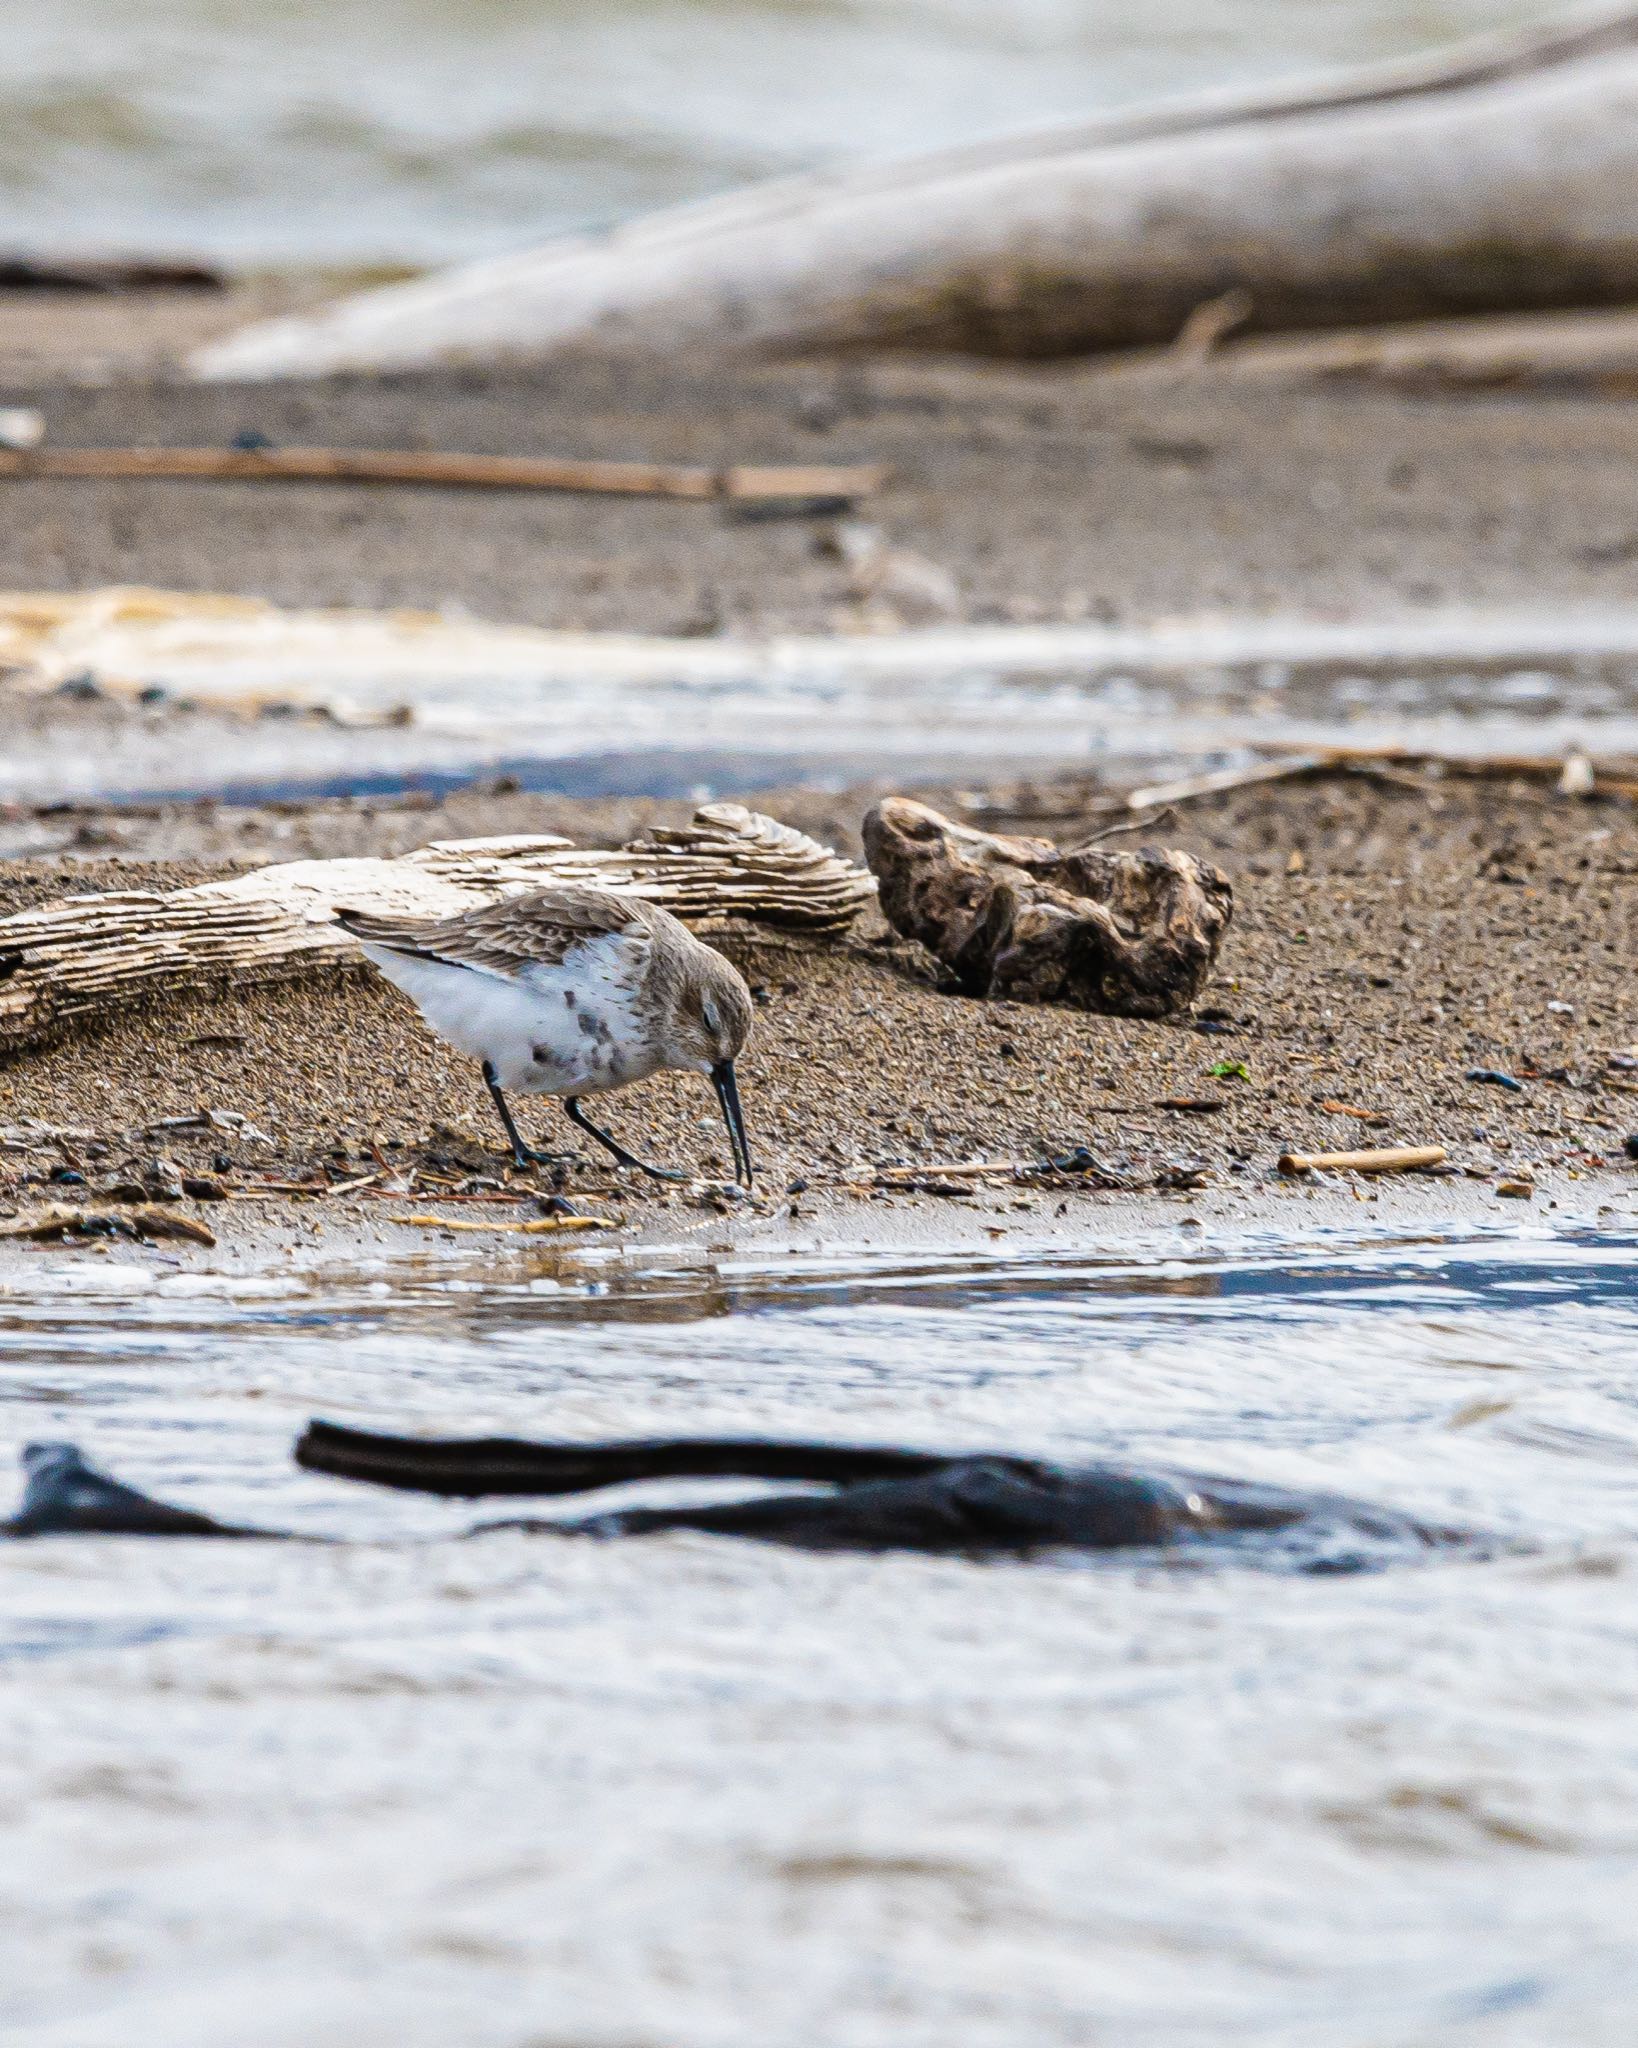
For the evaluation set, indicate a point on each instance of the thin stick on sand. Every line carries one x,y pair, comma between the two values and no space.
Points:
739,483
1219,781
1389,1159
1572,774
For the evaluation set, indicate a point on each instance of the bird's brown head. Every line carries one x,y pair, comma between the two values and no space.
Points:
713,1012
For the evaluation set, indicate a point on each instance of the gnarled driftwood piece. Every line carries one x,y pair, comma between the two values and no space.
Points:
1498,177
1129,934
83,959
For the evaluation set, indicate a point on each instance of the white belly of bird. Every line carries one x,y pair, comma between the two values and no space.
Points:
569,1029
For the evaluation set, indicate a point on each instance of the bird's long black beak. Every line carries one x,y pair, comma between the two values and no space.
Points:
722,1080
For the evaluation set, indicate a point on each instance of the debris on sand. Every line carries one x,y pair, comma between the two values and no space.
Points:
105,275
86,958
905,584
539,1226
1126,934
260,462
149,1222
1386,1159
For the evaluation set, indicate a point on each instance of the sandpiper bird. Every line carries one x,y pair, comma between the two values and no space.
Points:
572,991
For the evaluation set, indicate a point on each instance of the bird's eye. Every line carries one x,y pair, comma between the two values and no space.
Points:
708,1017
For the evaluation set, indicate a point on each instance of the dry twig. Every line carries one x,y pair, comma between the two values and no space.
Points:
1389,1159
740,483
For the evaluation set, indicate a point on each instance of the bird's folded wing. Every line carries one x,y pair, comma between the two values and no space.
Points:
538,930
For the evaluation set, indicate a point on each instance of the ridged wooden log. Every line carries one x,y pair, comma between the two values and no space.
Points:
85,959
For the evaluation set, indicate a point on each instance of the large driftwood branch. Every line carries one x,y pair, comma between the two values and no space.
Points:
1495,178
84,959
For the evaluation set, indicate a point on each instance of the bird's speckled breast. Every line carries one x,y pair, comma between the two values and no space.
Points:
592,1029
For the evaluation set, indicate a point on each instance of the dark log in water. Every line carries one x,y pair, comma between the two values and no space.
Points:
65,1495
469,1468
885,1498
1127,934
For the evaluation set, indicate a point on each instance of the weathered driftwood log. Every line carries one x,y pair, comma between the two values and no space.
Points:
85,958
1381,1159
1499,177
1130,934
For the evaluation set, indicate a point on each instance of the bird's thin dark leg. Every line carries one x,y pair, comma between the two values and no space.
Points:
522,1154
576,1115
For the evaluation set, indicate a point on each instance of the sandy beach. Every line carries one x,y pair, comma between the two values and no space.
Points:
1385,942
1046,494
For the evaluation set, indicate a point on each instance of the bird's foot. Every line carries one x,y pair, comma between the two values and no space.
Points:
525,1156
668,1173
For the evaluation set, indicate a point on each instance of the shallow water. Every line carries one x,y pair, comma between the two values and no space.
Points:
690,1790
593,714
396,130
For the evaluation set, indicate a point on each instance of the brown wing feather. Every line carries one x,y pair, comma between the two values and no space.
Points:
540,929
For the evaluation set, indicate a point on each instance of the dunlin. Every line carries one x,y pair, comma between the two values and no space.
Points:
571,992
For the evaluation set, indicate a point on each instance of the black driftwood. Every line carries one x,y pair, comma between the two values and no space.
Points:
65,1495
882,1499
1126,934
885,1498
